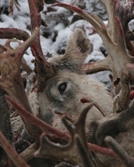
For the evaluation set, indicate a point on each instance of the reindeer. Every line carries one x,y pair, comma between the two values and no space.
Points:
59,89
62,93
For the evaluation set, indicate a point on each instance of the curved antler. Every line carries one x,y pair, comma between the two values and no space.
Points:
113,38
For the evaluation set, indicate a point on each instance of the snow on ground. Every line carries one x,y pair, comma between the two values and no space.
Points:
61,24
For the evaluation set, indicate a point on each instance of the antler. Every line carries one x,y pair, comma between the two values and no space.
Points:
11,80
125,13
77,133
69,152
42,66
18,161
119,151
10,70
113,38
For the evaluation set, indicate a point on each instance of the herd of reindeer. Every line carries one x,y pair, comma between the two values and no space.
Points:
71,119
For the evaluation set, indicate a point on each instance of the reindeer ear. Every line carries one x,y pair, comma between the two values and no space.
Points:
78,46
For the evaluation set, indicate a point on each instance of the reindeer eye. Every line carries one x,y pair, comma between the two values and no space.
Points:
62,87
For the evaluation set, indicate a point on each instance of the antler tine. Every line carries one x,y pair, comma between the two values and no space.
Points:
119,151
28,42
7,44
68,152
111,18
86,100
18,161
114,30
93,19
125,17
107,33
41,63
28,153
10,70
84,154
51,150
80,123
2,49
121,101
33,5
9,33
35,8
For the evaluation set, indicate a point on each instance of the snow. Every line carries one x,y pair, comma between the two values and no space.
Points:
63,35
8,22
59,25
4,3
24,8
131,25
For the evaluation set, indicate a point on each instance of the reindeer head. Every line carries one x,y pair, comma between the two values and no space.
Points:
64,90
